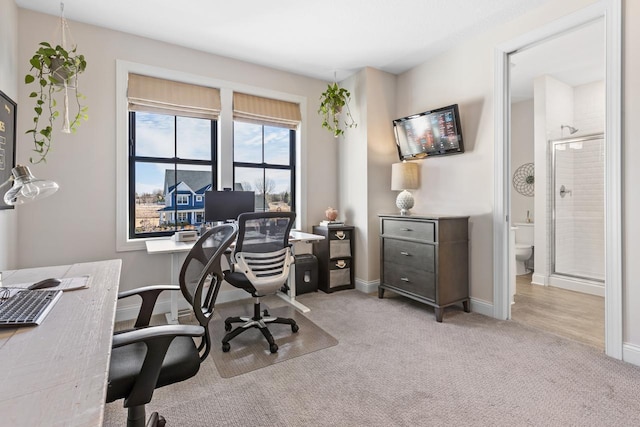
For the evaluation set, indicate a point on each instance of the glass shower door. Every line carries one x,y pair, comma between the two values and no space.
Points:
578,207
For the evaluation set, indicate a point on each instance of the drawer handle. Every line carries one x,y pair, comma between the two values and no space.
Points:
404,253
406,229
341,264
404,279
340,235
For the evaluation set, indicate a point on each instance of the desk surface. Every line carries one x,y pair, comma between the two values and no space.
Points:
168,246
56,373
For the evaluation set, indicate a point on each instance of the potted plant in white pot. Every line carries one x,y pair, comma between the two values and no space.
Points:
53,70
332,102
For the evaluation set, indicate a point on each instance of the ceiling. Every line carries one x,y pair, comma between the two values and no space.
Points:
328,39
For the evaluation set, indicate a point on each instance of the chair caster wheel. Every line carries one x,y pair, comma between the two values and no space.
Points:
295,328
227,327
273,348
226,347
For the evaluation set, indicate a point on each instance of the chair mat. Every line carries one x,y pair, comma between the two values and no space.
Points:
250,350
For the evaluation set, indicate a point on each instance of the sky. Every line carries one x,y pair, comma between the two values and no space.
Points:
155,137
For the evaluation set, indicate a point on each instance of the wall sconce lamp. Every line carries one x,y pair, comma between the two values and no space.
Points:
404,176
26,187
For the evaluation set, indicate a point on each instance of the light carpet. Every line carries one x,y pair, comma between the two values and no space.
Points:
396,366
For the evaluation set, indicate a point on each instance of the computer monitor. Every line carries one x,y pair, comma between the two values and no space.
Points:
227,205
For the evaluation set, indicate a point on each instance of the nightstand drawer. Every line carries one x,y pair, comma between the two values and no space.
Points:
419,230
409,279
409,254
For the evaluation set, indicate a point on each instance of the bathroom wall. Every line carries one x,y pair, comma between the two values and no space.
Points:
521,152
555,104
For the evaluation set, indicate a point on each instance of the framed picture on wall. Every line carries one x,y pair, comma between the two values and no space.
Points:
7,143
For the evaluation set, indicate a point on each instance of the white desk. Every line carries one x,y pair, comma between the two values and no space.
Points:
56,373
170,246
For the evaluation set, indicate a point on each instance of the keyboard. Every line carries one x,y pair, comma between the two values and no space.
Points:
27,308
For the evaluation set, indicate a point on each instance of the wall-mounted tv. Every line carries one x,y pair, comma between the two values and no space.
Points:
431,133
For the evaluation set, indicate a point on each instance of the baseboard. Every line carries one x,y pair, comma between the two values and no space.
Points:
577,285
481,307
631,353
367,287
539,279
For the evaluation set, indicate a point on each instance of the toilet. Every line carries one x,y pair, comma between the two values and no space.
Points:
524,245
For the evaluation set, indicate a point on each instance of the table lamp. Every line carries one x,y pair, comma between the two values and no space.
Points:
404,176
26,187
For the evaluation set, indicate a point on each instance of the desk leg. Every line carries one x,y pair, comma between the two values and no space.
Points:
290,296
172,316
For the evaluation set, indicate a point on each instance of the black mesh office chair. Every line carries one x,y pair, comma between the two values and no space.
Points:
260,265
149,357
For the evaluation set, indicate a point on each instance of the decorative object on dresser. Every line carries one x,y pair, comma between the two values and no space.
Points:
425,258
404,176
335,257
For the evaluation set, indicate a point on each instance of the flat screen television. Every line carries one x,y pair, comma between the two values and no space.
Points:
227,205
431,133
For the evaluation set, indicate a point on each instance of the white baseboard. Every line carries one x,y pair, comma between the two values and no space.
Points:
367,287
481,307
539,279
631,353
577,285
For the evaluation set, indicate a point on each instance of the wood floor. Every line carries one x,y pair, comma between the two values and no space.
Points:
566,313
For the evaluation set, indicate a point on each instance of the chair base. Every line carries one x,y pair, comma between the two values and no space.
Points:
136,418
260,321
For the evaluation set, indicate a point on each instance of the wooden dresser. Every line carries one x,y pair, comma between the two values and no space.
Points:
425,257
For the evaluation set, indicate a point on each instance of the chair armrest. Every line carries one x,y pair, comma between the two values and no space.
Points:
149,295
157,339
162,331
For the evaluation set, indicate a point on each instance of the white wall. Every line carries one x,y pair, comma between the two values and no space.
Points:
631,159
463,184
521,153
8,85
78,223
365,157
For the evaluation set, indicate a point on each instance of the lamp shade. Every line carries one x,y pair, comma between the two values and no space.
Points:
405,176
27,188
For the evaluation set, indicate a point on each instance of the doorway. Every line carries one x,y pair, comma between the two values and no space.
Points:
609,12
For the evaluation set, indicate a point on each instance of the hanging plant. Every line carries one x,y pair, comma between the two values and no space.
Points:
53,70
332,102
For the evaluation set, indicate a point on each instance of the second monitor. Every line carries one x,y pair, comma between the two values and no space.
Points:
227,205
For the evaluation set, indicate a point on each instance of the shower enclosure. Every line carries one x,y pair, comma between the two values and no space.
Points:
577,205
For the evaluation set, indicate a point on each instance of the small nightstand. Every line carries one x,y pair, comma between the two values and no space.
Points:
335,257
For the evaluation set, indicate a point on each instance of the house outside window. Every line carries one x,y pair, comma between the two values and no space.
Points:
183,199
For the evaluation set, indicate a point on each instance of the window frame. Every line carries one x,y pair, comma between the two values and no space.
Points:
176,162
265,166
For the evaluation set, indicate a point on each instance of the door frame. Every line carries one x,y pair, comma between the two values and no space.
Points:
610,11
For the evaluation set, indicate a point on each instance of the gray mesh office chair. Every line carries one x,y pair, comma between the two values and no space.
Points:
260,265
149,357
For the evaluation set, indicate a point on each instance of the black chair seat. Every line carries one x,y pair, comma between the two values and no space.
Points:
181,362
239,281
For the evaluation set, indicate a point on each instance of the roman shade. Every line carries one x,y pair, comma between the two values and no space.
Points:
162,96
265,111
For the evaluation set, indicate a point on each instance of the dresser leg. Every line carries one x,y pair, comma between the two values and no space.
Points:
439,312
380,292
465,305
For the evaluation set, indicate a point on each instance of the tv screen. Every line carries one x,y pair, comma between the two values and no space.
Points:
431,133
227,205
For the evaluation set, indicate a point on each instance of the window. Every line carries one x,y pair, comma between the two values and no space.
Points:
171,158
264,140
172,146
264,162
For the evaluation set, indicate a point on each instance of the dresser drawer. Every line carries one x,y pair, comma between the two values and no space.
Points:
409,254
419,230
410,279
